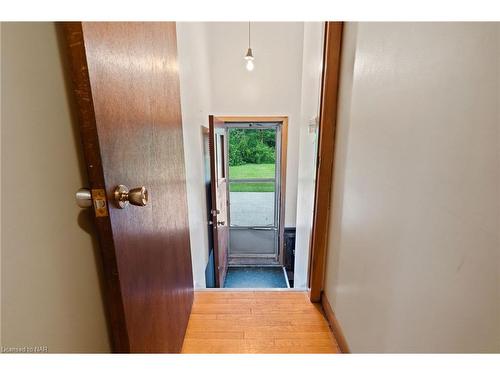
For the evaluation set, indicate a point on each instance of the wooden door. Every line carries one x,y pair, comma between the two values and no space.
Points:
127,90
210,268
219,189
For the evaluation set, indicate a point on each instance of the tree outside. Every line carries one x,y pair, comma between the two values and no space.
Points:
252,154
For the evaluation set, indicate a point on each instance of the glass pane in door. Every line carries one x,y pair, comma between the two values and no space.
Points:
252,203
252,153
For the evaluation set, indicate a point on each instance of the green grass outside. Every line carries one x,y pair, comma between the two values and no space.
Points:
252,171
259,187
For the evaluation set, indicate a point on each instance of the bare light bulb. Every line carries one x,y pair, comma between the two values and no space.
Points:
249,59
250,65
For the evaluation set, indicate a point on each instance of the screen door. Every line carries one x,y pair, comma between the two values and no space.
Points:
254,186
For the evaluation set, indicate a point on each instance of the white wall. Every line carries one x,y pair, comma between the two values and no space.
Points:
196,97
227,88
272,88
414,252
306,182
50,286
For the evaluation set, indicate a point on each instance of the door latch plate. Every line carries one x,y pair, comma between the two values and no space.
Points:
99,200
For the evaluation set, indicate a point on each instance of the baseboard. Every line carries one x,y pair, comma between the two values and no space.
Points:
334,324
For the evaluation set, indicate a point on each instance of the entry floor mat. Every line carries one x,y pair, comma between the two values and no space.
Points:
255,277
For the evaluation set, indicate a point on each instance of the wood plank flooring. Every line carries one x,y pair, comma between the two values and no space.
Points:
257,322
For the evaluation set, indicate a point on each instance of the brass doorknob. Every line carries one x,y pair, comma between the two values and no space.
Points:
137,196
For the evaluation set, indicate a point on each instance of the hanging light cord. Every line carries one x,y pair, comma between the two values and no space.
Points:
249,34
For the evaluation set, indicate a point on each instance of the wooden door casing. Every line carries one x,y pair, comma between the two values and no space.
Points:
127,89
325,161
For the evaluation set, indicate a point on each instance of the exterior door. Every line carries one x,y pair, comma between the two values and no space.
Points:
219,188
254,195
127,90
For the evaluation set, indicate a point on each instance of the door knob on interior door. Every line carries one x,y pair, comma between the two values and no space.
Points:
138,196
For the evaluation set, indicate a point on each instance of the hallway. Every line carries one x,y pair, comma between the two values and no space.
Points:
257,322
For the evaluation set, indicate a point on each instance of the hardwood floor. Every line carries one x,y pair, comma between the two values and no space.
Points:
257,322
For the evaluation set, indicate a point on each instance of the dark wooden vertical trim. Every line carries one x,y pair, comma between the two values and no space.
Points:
334,324
213,190
326,151
73,35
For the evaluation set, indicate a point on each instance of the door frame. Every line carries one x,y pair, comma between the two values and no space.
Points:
325,158
284,145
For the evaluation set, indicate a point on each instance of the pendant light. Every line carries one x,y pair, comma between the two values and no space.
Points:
249,56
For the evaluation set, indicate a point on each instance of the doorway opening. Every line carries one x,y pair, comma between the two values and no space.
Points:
158,238
254,181
285,85
249,171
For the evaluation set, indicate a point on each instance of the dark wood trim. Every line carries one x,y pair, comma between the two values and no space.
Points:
212,120
73,36
334,325
284,147
326,151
